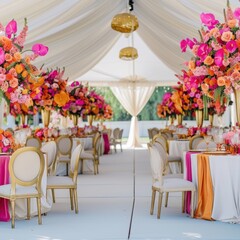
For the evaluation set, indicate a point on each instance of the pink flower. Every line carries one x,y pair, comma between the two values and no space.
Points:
237,13
2,78
231,46
2,56
11,28
208,19
40,49
183,45
203,51
218,59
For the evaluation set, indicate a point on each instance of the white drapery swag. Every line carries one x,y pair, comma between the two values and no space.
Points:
133,95
79,34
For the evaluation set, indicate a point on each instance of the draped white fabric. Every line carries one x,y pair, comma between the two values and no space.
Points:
133,98
79,35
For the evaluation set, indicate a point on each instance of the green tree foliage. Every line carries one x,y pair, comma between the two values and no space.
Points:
120,114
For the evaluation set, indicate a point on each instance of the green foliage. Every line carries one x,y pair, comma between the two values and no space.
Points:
120,114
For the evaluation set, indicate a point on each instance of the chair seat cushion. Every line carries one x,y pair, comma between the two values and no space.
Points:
5,190
175,175
172,159
59,180
63,159
175,185
87,155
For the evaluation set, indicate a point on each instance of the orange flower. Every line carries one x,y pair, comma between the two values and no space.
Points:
191,65
13,82
8,57
24,74
212,82
17,56
232,23
19,68
61,98
221,81
226,36
204,87
6,42
208,60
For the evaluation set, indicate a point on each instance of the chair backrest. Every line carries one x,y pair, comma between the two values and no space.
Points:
167,134
74,163
116,133
194,141
64,145
154,132
120,134
33,142
203,145
163,155
26,168
50,148
96,144
109,132
161,139
150,134
156,164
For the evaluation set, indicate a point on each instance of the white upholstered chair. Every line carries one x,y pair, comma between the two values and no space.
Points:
64,150
92,155
203,145
26,168
194,141
68,182
33,142
161,184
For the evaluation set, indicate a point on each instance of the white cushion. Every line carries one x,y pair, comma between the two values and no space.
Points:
86,155
5,190
59,180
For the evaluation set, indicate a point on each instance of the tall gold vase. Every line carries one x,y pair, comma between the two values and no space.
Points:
199,118
210,118
45,117
171,119
90,119
23,119
237,101
74,119
179,119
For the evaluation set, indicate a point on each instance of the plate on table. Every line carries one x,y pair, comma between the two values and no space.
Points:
203,150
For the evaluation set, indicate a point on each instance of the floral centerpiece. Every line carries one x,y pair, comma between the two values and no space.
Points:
77,98
51,90
16,69
6,141
213,70
105,113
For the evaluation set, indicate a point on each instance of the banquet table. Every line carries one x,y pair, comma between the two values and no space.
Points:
20,204
218,185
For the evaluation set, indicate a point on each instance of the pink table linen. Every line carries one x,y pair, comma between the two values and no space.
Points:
106,143
4,179
189,178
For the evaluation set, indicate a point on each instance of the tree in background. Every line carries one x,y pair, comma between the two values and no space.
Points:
120,114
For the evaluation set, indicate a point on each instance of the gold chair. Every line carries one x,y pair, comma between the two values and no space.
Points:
92,155
33,142
161,184
194,141
25,184
68,182
64,150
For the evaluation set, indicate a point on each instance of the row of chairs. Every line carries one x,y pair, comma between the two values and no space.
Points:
152,132
27,184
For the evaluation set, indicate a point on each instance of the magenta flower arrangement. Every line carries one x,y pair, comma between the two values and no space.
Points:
213,71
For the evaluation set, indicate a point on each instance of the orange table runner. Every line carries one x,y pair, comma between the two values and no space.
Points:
205,188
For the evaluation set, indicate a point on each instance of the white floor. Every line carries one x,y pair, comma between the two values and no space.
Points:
115,205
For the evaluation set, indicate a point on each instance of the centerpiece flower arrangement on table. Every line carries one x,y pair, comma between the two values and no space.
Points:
46,134
16,69
7,142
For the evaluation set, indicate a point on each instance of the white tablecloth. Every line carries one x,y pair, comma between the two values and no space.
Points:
225,175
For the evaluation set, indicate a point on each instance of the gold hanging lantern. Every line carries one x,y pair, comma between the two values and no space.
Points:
124,23
128,53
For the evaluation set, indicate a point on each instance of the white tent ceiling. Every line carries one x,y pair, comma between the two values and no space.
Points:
80,38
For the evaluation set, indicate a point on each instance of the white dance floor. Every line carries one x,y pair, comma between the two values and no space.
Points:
115,205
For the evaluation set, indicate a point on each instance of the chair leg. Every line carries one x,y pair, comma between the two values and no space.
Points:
153,201
81,170
75,199
39,210
13,213
71,198
183,202
192,201
166,199
159,204
94,167
121,146
53,195
66,169
28,208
